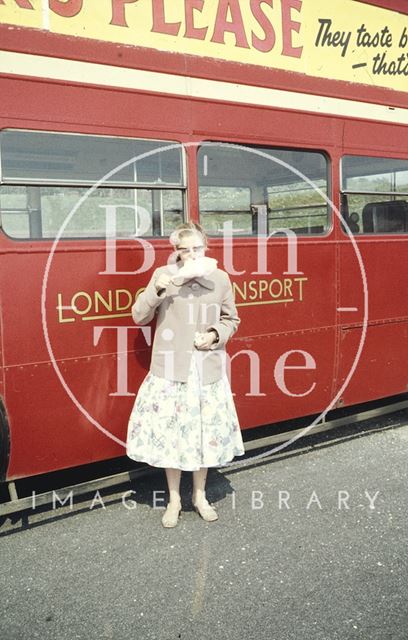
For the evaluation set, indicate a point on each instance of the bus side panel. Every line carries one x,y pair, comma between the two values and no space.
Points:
49,431
291,384
4,423
381,370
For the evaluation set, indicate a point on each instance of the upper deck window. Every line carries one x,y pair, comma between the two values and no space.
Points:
44,175
375,194
261,189
37,157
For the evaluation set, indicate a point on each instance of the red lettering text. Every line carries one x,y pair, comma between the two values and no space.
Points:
235,25
191,30
266,44
118,12
66,8
159,21
288,25
23,4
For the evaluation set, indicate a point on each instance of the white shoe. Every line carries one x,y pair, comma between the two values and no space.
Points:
206,511
171,516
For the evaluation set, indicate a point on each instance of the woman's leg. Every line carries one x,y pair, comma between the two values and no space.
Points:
199,479
173,482
170,517
200,502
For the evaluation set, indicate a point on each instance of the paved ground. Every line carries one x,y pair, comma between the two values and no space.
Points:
309,570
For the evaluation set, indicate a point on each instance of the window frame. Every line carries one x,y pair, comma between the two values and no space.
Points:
344,193
88,184
328,175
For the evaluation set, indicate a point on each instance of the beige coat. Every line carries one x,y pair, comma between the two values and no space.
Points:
200,304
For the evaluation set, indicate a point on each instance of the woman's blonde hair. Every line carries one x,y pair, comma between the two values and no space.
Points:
187,229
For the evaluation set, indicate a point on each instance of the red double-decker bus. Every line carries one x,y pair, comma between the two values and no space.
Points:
283,122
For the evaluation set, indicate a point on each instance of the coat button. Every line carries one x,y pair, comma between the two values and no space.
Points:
195,286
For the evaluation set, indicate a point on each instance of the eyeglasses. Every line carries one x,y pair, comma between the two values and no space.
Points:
185,251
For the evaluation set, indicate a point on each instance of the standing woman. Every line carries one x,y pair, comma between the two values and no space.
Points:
184,417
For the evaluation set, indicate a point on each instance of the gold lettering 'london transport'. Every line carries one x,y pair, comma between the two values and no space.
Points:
117,303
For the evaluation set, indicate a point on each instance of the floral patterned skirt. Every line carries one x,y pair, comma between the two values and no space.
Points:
184,425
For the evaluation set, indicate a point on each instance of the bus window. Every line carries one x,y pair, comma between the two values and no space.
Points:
236,181
374,195
46,181
218,204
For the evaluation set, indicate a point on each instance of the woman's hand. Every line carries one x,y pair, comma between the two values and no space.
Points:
204,341
162,282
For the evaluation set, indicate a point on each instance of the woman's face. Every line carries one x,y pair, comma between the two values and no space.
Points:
191,247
